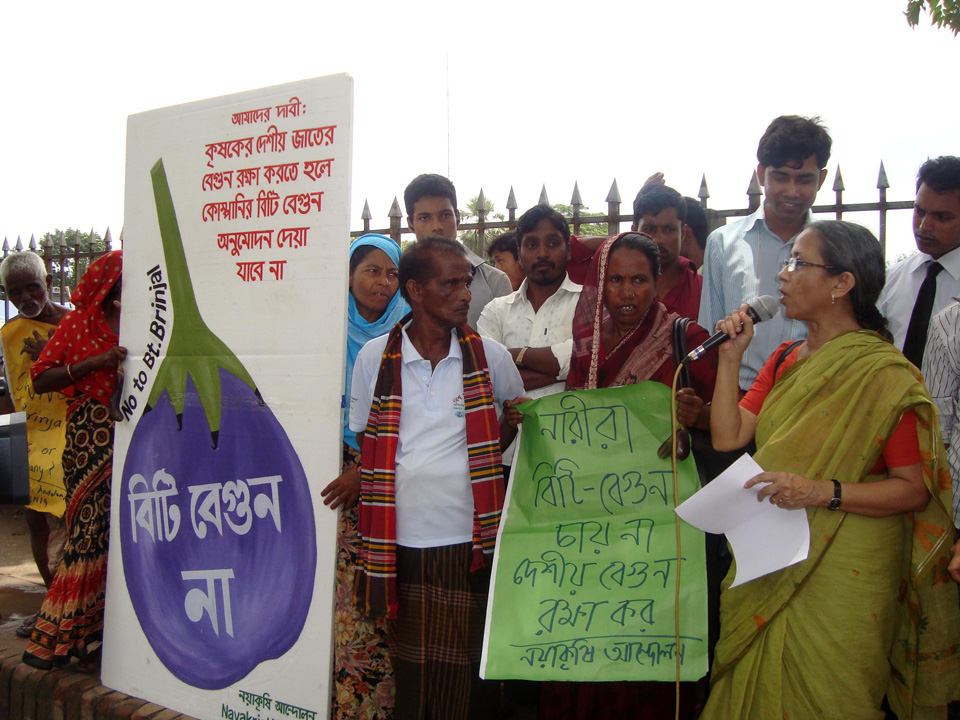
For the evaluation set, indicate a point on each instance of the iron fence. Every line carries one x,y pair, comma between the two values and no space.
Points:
64,262
614,218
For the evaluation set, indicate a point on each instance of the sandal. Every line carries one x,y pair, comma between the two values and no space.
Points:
90,662
26,629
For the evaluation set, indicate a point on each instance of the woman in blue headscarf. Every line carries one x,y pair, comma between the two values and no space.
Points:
363,681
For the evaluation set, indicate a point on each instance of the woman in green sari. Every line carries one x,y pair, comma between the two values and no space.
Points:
847,433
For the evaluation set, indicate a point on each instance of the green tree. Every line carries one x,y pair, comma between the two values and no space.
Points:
943,13
586,229
471,238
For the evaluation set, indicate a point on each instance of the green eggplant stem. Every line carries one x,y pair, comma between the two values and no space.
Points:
192,350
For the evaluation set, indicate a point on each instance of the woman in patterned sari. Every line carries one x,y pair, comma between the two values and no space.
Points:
623,335
846,432
362,677
81,361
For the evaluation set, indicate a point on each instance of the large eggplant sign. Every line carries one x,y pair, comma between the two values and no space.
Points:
220,580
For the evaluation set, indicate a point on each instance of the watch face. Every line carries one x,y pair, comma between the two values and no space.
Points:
834,503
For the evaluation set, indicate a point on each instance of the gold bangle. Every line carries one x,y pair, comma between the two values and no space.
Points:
70,374
523,351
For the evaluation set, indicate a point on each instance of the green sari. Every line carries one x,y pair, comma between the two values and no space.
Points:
872,609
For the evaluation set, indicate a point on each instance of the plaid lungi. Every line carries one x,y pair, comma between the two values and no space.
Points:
435,641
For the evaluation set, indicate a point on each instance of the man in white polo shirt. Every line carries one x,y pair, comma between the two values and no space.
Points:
429,513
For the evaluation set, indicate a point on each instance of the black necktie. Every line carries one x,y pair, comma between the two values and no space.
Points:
920,319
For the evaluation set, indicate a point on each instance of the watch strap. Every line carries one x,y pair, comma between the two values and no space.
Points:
835,501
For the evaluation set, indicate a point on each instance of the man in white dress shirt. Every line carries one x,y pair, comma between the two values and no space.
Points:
536,322
742,259
936,228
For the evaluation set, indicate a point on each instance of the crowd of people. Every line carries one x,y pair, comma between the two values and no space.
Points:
828,395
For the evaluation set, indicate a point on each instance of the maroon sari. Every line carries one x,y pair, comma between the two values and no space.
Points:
644,353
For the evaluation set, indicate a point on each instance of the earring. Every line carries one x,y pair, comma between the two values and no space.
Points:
833,299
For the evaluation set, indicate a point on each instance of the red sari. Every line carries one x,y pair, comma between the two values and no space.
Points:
71,618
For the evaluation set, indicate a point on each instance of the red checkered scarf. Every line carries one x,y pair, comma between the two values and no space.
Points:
376,589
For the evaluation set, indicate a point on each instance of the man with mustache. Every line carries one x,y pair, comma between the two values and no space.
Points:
923,284
536,321
429,513
660,212
742,259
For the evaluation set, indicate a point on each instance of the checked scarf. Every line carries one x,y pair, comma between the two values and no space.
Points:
376,589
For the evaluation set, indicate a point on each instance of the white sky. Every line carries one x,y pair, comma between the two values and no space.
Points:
686,88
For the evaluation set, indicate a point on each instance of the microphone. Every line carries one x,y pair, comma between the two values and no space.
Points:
763,308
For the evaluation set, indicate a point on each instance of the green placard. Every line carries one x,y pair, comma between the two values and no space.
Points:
585,572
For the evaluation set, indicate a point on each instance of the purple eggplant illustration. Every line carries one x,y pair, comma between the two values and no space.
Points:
216,518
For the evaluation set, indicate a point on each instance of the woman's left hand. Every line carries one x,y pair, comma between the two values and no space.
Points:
688,407
343,491
792,492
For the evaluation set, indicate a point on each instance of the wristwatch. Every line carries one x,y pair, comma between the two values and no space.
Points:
835,501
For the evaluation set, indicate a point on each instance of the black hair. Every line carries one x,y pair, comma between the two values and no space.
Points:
791,139
697,220
641,242
940,174
849,247
654,200
359,254
428,185
419,261
506,242
528,221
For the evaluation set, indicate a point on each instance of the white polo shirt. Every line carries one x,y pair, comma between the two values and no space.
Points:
434,497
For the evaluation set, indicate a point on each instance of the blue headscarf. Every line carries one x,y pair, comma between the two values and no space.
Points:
359,331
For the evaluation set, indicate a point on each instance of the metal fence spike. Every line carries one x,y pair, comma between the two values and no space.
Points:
576,200
481,204
33,243
754,187
703,193
6,246
882,182
366,214
614,195
62,240
544,200
511,200
107,240
838,181
19,246
395,209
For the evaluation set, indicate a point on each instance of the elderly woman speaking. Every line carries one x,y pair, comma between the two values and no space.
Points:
847,433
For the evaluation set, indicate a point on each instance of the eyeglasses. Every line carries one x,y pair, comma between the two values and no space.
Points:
791,265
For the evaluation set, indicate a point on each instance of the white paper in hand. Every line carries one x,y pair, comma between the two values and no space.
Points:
764,537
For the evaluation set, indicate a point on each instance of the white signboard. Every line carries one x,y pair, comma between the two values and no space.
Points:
221,571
